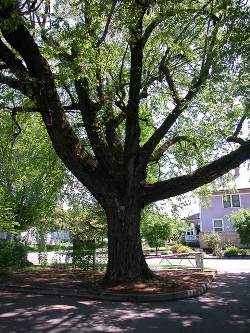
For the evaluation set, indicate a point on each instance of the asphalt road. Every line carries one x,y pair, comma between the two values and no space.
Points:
223,264
225,307
231,265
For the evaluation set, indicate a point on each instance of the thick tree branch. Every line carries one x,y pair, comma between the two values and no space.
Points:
183,104
21,81
14,84
93,128
64,140
19,128
240,124
10,59
168,143
234,138
22,46
105,31
178,185
32,5
112,137
150,28
136,50
99,87
163,69
149,146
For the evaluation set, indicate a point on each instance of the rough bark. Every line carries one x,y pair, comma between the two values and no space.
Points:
152,192
126,258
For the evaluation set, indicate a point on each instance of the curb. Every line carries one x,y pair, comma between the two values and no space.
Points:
107,296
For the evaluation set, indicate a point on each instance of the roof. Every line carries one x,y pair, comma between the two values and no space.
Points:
239,190
193,217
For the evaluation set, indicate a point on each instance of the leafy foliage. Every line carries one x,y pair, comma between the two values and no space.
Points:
240,221
7,220
184,249
212,239
231,251
84,218
13,255
30,172
156,229
185,45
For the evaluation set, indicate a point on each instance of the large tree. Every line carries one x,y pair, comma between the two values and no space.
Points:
124,87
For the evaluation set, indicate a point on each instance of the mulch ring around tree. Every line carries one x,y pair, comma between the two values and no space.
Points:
167,281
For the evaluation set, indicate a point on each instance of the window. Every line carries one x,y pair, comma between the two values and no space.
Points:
218,225
232,200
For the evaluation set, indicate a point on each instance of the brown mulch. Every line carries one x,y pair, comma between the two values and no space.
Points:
167,281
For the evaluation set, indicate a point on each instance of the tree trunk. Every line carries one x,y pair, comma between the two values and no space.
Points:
126,258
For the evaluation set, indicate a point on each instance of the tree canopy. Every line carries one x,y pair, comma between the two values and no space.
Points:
31,174
128,88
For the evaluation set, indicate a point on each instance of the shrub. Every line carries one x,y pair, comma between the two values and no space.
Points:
212,239
231,252
184,249
229,244
13,254
194,244
83,255
218,252
167,250
244,252
82,259
175,247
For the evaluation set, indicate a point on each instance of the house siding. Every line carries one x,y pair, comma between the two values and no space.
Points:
216,211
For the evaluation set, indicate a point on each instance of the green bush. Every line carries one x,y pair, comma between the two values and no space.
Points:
184,249
83,255
13,255
82,259
244,252
231,252
212,239
194,244
218,252
175,247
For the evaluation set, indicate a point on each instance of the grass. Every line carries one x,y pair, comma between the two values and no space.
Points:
169,266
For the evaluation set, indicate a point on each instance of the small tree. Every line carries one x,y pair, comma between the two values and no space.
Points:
213,240
240,221
178,229
156,229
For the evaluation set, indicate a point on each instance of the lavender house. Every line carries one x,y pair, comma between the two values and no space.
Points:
215,216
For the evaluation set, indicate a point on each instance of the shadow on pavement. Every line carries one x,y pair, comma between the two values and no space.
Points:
225,307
